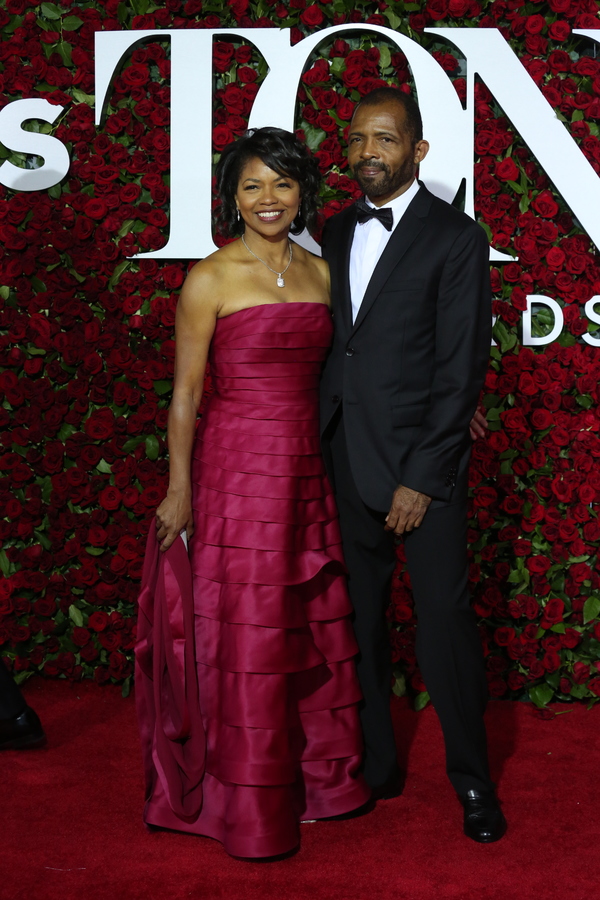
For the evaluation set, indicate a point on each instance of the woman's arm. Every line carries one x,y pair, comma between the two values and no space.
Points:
194,326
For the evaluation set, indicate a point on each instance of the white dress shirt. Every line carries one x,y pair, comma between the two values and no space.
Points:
370,240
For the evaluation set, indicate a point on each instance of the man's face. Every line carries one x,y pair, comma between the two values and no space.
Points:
381,153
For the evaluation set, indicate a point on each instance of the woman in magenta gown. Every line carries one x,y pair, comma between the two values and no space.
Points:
276,692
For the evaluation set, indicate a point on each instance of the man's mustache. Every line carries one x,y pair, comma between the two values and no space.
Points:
370,165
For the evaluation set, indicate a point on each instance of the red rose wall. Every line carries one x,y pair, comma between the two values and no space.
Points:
86,346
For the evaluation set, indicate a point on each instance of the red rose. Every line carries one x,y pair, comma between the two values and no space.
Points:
555,257
538,565
222,55
535,24
581,672
507,170
553,612
504,636
559,31
545,205
312,16
101,424
110,498
222,135
98,620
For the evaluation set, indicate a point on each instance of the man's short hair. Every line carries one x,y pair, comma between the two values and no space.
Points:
413,123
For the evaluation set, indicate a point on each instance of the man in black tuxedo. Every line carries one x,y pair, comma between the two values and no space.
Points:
412,313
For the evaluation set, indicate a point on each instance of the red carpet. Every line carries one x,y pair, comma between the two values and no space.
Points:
72,828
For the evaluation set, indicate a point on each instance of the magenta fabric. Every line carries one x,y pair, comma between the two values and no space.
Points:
171,729
274,646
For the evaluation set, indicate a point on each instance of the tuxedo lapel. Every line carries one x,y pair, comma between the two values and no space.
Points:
410,226
346,236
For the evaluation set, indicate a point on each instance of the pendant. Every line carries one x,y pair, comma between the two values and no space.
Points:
280,281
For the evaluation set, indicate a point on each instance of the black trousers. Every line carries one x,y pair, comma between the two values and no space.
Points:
11,700
448,647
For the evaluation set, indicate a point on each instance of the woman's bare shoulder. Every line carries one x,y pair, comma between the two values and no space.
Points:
317,265
205,277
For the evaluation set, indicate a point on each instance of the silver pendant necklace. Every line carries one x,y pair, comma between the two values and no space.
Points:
280,281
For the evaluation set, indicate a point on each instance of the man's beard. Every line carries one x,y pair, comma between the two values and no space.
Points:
389,184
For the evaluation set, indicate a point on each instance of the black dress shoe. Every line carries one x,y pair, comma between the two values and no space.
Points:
391,788
484,820
22,732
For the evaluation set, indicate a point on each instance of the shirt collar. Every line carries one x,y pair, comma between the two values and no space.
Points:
400,204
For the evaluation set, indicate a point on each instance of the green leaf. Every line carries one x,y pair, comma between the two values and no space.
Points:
162,387
578,691
66,430
314,137
75,615
421,700
39,285
399,686
104,467
4,292
392,18
55,191
385,57
516,187
4,563
125,690
71,23
591,608
487,230
118,271
577,116
152,447
541,694
132,443
44,540
64,51
126,227
46,489
82,97
51,11
94,551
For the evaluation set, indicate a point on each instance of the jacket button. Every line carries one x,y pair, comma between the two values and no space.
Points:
350,351
335,399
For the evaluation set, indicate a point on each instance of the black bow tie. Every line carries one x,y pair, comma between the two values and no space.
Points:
365,212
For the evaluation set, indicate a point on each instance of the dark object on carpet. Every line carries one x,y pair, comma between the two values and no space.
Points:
484,820
22,732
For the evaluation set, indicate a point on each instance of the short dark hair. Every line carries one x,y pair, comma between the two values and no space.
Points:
282,152
381,95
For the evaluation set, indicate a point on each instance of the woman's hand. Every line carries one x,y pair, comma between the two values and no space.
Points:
172,516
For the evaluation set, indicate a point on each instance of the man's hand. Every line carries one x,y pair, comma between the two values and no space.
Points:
407,510
478,426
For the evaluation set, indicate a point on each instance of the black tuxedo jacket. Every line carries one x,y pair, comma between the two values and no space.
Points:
409,371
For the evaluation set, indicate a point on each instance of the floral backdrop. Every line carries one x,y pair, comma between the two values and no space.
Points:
86,346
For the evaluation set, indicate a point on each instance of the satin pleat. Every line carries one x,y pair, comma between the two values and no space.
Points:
274,646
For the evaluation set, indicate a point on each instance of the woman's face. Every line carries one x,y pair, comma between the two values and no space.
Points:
268,202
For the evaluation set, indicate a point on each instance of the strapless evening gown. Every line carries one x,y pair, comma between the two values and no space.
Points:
274,645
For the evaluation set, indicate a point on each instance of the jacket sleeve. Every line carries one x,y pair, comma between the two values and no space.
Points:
462,348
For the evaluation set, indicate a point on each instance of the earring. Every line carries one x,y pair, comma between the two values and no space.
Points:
239,215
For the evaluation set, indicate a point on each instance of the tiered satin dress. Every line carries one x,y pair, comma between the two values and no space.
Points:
274,646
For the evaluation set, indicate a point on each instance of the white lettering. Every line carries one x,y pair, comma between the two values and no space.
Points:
540,300
593,316
14,137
